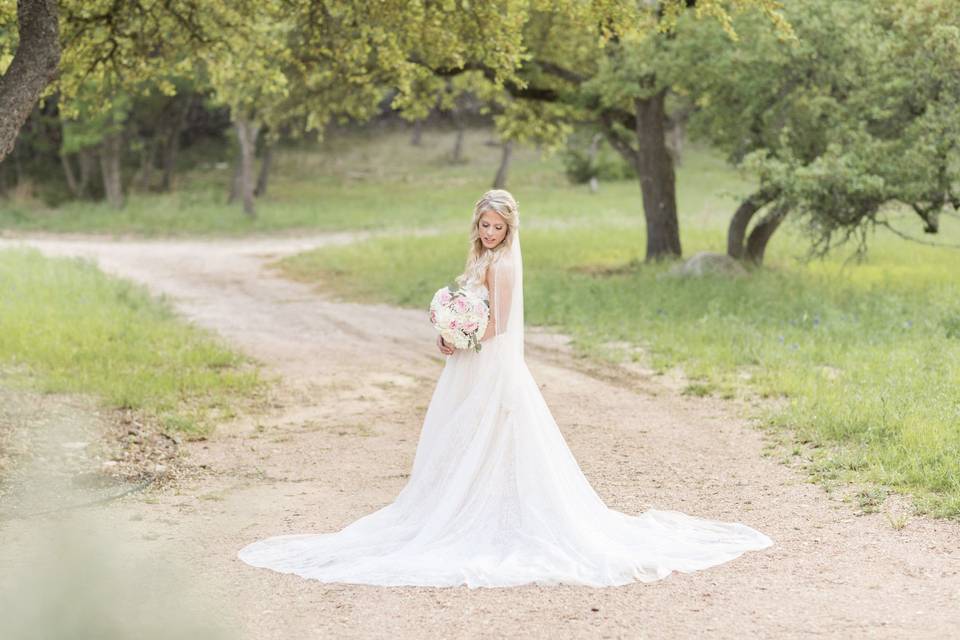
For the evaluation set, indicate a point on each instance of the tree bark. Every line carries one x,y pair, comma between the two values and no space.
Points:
169,161
417,138
264,175
235,189
87,167
657,179
737,230
456,155
110,150
500,181
172,146
18,165
69,174
763,231
33,67
144,174
247,132
4,183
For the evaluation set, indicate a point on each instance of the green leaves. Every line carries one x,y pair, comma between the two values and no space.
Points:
857,115
539,66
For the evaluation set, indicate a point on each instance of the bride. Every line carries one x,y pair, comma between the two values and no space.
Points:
495,498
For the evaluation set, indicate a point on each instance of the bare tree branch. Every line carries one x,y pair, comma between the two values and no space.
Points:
897,232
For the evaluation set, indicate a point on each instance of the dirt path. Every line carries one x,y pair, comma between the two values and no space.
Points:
339,442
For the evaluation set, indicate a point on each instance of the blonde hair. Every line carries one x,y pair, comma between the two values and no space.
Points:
479,257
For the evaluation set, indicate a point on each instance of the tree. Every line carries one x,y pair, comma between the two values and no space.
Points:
122,48
600,63
131,50
157,122
625,90
32,67
250,73
855,121
500,179
98,129
344,59
545,65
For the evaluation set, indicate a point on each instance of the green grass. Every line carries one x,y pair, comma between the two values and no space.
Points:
66,327
350,182
862,358
867,356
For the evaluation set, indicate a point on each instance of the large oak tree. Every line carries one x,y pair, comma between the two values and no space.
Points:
564,62
854,123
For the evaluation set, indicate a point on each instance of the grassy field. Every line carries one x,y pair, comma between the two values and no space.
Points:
866,355
65,326
356,182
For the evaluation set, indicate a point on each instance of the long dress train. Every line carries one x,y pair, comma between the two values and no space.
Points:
495,498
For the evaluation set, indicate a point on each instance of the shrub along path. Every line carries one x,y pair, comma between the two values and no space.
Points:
338,442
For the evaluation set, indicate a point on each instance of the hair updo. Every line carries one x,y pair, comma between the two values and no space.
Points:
479,257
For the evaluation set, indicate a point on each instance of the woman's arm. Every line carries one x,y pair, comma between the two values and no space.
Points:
500,287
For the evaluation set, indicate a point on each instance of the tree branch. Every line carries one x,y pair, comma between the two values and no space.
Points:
609,120
884,223
561,72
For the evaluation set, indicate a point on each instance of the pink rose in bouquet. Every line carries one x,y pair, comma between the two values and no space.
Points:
460,316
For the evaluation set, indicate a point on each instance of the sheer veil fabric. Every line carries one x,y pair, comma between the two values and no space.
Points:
495,497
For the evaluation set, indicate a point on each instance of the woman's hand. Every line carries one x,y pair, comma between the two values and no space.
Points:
445,348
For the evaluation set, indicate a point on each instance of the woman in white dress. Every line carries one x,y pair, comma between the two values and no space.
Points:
495,498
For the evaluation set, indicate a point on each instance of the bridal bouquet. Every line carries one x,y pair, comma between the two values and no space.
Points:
459,316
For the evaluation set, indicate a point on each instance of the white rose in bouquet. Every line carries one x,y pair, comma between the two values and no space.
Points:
460,316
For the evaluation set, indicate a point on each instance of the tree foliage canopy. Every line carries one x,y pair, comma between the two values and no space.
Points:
858,116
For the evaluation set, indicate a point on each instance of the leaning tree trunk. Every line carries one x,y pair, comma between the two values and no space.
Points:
500,181
247,132
264,175
110,150
32,69
737,230
763,231
69,174
657,179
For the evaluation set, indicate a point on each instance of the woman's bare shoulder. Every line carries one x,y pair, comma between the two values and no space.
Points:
502,267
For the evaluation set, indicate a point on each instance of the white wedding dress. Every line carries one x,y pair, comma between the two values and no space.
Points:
495,498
